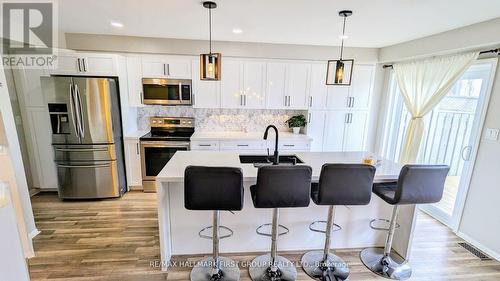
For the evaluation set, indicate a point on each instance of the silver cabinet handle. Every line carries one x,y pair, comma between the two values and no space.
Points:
242,145
137,148
84,65
79,65
348,101
310,101
241,99
205,145
164,70
309,115
285,100
289,145
168,69
352,102
346,118
245,100
84,166
80,149
350,118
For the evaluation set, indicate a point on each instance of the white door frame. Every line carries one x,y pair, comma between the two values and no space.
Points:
466,177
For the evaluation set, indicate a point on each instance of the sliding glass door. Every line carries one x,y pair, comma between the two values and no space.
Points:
452,133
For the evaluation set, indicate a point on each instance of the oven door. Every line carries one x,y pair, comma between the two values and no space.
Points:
155,155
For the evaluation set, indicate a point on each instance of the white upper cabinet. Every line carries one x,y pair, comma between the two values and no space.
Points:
206,94
361,88
134,79
275,85
297,88
318,90
166,67
254,75
231,86
88,64
242,84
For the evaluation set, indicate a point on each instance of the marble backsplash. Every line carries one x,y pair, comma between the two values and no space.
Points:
220,119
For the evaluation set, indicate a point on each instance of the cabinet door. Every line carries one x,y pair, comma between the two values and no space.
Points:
253,84
133,163
41,141
316,129
179,69
276,77
297,85
206,94
337,97
318,90
355,133
154,67
334,130
231,88
134,79
68,64
361,87
99,65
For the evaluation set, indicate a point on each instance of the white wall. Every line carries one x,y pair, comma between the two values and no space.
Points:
131,44
13,172
480,222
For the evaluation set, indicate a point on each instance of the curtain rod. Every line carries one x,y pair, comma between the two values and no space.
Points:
482,52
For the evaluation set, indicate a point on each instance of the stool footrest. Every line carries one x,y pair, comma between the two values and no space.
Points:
260,232
220,237
372,224
312,227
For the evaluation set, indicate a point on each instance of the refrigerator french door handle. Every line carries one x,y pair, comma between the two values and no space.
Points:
73,109
80,116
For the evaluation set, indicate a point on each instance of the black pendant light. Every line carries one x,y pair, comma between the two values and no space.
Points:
210,63
339,72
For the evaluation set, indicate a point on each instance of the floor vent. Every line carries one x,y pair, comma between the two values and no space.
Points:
473,250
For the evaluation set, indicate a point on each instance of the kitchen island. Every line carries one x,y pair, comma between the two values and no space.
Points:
179,227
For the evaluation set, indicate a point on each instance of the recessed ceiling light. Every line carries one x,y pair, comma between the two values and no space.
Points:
237,30
116,24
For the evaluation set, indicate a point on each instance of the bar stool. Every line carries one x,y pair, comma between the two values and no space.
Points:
214,189
278,187
417,184
339,184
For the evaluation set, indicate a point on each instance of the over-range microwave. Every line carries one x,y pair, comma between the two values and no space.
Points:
166,91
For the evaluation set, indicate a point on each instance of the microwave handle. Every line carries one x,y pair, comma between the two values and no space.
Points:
180,92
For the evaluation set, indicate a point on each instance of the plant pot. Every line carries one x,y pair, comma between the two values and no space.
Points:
296,130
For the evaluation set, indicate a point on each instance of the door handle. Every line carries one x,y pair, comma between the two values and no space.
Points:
464,149
72,108
350,118
205,145
81,123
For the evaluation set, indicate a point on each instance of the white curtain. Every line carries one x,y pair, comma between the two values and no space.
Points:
423,85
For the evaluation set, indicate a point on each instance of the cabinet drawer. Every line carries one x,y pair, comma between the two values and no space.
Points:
294,145
242,145
204,145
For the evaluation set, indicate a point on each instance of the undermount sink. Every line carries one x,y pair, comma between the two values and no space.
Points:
259,160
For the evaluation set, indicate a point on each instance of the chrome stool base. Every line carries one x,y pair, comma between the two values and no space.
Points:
334,269
260,269
392,266
204,270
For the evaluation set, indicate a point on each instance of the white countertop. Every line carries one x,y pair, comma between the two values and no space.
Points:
174,170
135,135
211,136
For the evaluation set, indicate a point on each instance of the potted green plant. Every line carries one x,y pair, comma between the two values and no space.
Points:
296,122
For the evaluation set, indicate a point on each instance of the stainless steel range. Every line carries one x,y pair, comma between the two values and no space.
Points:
167,136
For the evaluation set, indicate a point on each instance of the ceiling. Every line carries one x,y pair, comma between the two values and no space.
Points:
375,23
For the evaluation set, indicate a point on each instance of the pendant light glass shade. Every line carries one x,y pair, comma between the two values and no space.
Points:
210,66
339,72
210,63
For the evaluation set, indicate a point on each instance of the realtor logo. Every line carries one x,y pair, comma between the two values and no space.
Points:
29,33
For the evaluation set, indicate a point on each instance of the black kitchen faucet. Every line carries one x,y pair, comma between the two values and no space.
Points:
276,159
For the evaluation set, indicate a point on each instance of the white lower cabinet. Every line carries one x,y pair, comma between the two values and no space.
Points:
205,145
257,146
133,162
242,145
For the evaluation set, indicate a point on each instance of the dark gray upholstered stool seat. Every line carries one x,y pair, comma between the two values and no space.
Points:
214,189
417,184
278,187
339,184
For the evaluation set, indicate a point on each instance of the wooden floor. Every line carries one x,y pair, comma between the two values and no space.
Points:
118,240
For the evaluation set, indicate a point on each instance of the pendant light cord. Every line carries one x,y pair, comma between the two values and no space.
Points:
210,27
343,36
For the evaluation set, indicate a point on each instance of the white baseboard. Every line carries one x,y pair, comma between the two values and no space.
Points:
480,246
29,253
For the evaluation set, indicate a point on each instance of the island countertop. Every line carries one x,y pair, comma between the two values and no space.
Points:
174,170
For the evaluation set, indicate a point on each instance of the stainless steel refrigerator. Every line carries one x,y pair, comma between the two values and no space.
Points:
86,136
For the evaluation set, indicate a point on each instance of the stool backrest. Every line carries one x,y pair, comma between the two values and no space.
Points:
421,184
345,184
283,186
213,188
